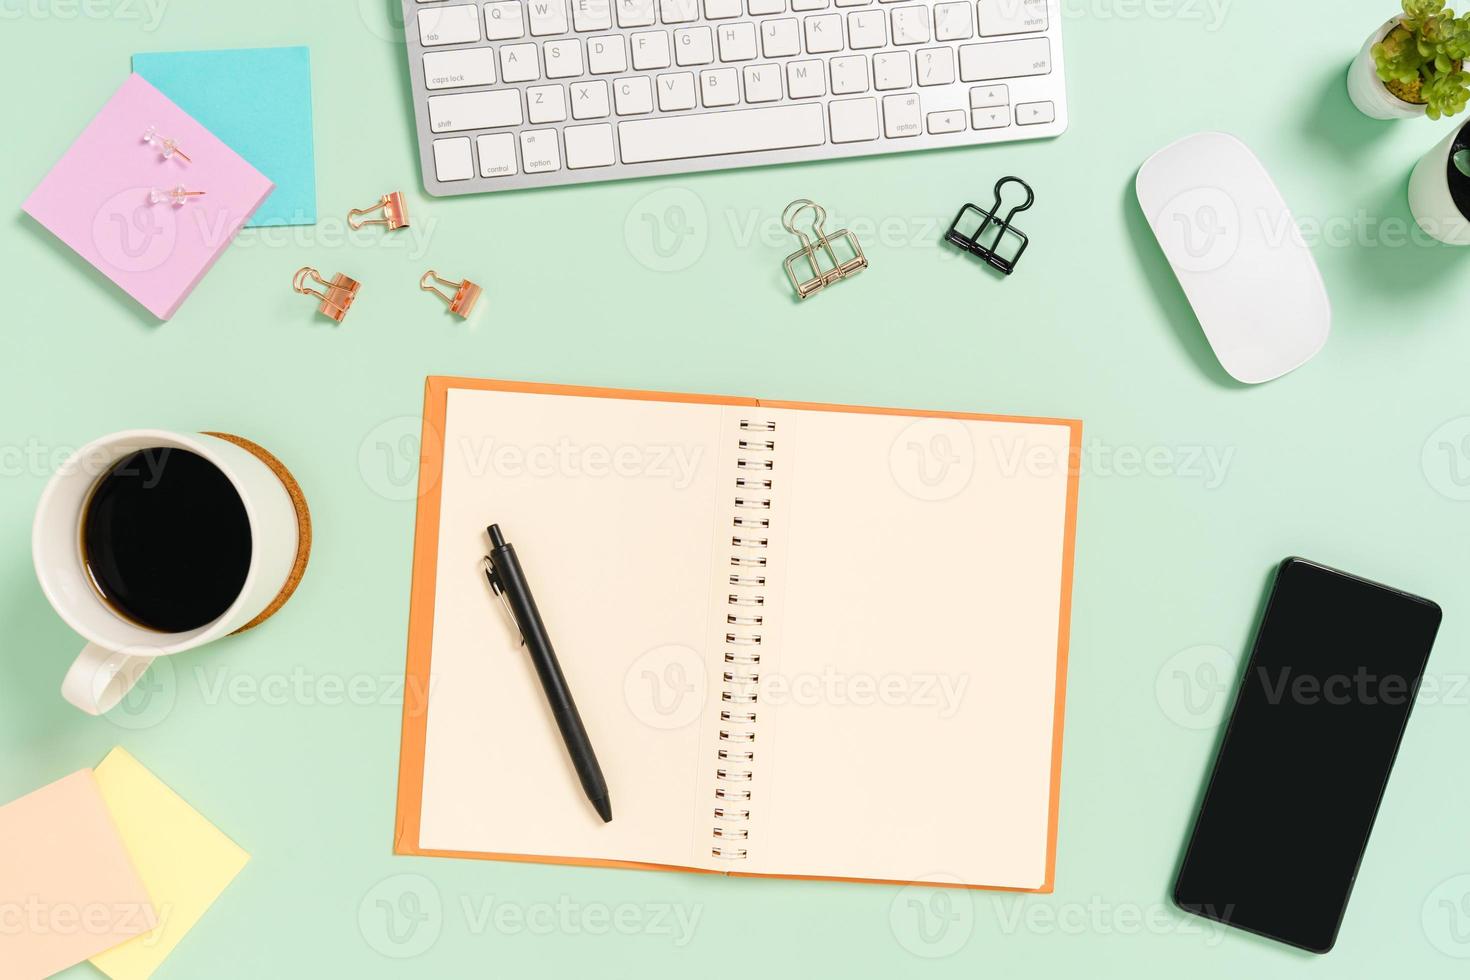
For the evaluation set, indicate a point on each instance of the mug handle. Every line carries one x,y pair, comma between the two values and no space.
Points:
100,678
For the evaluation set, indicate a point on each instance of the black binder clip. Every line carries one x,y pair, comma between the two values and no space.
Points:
995,240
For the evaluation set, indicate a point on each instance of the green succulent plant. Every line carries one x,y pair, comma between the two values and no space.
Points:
1462,161
1422,59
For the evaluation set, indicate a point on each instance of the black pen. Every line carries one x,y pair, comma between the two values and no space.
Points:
509,583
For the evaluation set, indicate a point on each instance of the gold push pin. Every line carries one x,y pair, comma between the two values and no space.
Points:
395,213
821,258
177,196
340,292
462,303
166,147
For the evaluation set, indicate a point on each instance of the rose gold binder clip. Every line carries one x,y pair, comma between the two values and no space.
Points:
466,295
820,257
340,292
395,213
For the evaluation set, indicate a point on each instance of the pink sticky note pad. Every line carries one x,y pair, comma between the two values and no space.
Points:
67,886
96,199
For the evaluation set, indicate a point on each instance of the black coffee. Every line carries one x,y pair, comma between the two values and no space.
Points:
166,540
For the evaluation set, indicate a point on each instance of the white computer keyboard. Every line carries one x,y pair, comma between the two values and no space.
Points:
534,93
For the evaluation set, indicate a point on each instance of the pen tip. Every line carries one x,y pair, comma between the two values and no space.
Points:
604,808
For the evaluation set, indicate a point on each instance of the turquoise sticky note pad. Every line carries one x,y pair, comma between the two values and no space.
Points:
258,101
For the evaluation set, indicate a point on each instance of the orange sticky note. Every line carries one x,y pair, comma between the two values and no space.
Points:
68,889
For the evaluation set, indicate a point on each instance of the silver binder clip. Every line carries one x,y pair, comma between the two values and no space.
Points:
821,258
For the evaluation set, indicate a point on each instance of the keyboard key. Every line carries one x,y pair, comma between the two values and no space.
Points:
853,120
854,3
1011,17
901,116
985,96
719,87
936,66
952,21
449,25
910,25
865,30
849,74
497,154
452,159
762,83
759,8
801,6
721,9
589,146
650,50
634,13
823,33
592,15
1005,59
459,69
504,21
780,38
891,70
719,133
547,17
951,121
475,110
539,151
546,103
693,46
633,96
806,79
678,11
563,58
589,100
997,118
737,42
518,63
606,55
1036,113
676,91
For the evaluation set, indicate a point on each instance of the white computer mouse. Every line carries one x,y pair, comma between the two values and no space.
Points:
1238,254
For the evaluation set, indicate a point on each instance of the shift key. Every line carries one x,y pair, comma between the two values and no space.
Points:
475,110
1005,59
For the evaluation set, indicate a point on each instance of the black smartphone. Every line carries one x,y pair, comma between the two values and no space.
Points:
1306,756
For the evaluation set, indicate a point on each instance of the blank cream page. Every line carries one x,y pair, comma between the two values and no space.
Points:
908,691
608,503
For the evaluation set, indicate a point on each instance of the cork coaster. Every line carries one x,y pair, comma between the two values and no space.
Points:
303,525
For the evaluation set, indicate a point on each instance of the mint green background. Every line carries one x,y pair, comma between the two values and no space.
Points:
1329,463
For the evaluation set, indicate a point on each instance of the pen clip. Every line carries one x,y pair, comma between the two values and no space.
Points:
496,588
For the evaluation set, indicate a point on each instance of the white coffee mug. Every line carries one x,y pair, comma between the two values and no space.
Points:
119,651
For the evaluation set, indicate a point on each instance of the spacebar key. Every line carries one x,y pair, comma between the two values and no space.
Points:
720,133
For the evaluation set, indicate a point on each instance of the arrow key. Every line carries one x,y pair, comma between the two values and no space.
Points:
996,118
1035,113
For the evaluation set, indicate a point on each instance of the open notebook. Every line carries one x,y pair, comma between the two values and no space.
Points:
806,640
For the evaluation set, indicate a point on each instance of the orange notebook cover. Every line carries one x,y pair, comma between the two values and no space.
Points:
809,641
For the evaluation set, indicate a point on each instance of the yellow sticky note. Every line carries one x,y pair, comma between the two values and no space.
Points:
183,859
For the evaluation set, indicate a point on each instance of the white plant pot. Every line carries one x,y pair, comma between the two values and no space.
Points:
1367,90
1430,199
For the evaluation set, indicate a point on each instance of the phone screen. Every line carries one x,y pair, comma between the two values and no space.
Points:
1322,707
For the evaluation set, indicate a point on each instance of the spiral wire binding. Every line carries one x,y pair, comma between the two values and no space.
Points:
744,619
